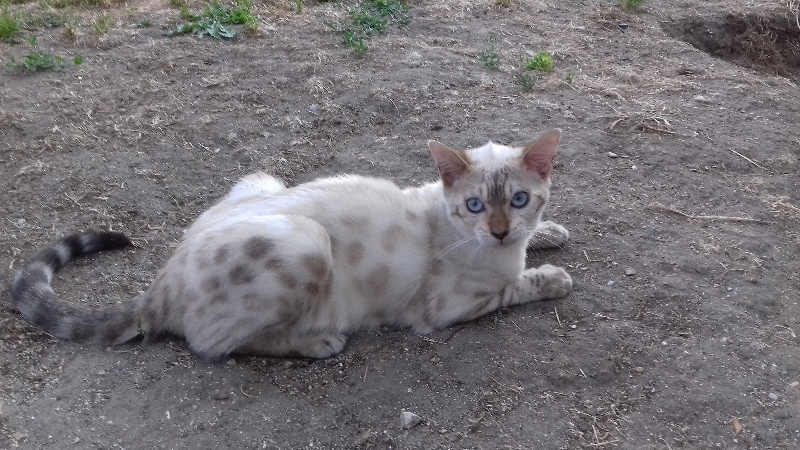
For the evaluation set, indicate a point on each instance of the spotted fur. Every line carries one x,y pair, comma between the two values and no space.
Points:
276,271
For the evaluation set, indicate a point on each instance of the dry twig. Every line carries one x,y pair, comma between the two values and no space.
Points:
665,209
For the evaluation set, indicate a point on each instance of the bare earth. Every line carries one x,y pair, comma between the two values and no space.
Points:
678,178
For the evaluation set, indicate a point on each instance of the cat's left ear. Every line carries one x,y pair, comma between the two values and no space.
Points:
538,156
452,163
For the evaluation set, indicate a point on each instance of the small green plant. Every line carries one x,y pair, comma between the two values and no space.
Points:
215,20
569,78
540,61
10,26
298,6
503,3
525,81
39,60
368,18
102,24
631,4
145,23
489,57
178,3
60,4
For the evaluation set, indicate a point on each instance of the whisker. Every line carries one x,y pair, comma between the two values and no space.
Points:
543,237
452,247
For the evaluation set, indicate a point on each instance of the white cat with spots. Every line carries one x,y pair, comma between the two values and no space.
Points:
271,270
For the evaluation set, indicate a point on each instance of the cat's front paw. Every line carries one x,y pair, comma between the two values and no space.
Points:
323,345
549,282
548,235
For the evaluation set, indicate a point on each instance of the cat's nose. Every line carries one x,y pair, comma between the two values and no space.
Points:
500,235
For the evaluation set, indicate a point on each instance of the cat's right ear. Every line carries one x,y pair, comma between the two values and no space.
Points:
452,163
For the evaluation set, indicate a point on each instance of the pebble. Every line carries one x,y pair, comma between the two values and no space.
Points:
701,99
773,396
409,420
612,155
610,282
19,436
630,271
639,369
220,395
794,384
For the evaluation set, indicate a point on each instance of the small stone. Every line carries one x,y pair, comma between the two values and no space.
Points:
773,396
19,436
664,343
639,369
630,271
220,395
794,384
409,420
701,99
611,155
610,283
315,109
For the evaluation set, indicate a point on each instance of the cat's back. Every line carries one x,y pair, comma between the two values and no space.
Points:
354,201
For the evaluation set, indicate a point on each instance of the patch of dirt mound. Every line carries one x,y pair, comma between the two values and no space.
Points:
766,44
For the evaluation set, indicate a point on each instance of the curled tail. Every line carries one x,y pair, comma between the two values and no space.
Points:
35,299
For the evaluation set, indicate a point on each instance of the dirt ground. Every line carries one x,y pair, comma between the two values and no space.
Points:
678,179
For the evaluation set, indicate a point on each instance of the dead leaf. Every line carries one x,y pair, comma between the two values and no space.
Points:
737,427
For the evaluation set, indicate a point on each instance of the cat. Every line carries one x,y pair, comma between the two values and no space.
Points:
279,271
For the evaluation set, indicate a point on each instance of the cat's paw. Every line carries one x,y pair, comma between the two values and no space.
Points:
324,345
548,282
548,235
557,282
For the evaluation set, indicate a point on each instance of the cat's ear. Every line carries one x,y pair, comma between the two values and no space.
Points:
452,163
538,156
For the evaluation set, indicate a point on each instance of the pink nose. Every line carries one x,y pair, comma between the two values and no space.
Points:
500,235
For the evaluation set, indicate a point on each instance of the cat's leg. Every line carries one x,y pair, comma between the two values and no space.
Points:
548,235
312,345
544,283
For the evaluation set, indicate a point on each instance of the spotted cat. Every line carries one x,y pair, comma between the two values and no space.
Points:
271,270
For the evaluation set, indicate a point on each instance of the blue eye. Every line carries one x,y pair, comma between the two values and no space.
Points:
519,200
474,205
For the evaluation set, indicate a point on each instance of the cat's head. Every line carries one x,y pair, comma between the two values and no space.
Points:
496,193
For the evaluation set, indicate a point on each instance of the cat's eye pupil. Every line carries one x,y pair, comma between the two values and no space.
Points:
519,200
474,205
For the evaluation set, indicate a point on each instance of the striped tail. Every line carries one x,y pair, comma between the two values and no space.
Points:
35,299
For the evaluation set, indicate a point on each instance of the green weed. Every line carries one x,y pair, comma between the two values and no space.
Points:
10,26
145,23
60,4
368,18
540,61
215,20
631,4
40,60
503,3
102,24
525,81
178,3
489,57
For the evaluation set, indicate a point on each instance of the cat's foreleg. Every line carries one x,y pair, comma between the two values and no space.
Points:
544,283
312,345
548,235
